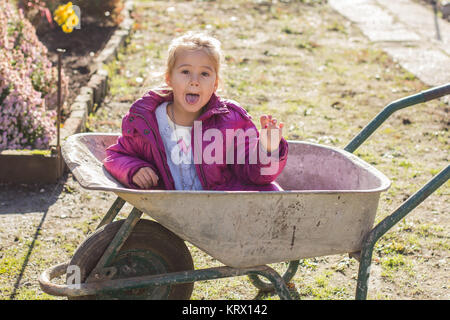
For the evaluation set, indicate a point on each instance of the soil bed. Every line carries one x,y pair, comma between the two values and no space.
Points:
82,46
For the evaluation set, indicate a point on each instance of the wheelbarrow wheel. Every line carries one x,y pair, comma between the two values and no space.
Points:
150,249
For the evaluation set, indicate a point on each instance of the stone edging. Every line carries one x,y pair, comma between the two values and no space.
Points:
95,91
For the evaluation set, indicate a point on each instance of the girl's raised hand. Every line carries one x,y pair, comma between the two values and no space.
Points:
145,178
271,132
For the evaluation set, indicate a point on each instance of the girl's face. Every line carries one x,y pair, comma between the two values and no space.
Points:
193,80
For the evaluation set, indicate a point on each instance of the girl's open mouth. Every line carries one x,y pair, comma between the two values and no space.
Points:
192,98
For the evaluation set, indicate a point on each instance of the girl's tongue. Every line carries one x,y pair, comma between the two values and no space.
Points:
192,98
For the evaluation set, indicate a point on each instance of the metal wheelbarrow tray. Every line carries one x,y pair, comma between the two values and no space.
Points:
328,206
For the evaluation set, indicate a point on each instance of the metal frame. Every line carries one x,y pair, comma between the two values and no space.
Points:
99,287
100,278
381,228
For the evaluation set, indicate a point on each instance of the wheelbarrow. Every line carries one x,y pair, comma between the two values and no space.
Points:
328,207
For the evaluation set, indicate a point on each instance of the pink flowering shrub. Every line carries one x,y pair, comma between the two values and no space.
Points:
28,84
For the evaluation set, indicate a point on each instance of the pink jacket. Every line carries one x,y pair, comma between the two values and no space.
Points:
141,145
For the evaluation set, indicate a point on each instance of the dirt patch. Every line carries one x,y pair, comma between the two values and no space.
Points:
82,46
313,70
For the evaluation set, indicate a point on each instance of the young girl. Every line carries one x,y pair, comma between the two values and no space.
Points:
184,137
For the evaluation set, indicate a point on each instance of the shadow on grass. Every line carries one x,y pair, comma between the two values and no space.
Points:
30,191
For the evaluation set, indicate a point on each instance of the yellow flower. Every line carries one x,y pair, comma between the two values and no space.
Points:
69,11
65,16
59,12
72,21
58,20
66,28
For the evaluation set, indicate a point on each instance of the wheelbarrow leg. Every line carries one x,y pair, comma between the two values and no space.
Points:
101,271
112,212
387,223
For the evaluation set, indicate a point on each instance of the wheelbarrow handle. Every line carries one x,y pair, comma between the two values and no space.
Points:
421,97
387,223
436,92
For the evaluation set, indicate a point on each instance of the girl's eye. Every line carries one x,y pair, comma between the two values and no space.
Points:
185,72
205,74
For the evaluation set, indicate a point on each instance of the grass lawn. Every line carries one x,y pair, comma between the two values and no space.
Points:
313,70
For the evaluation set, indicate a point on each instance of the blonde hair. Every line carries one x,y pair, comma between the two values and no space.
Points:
195,41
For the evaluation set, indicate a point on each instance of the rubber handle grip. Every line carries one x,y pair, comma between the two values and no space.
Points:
436,92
